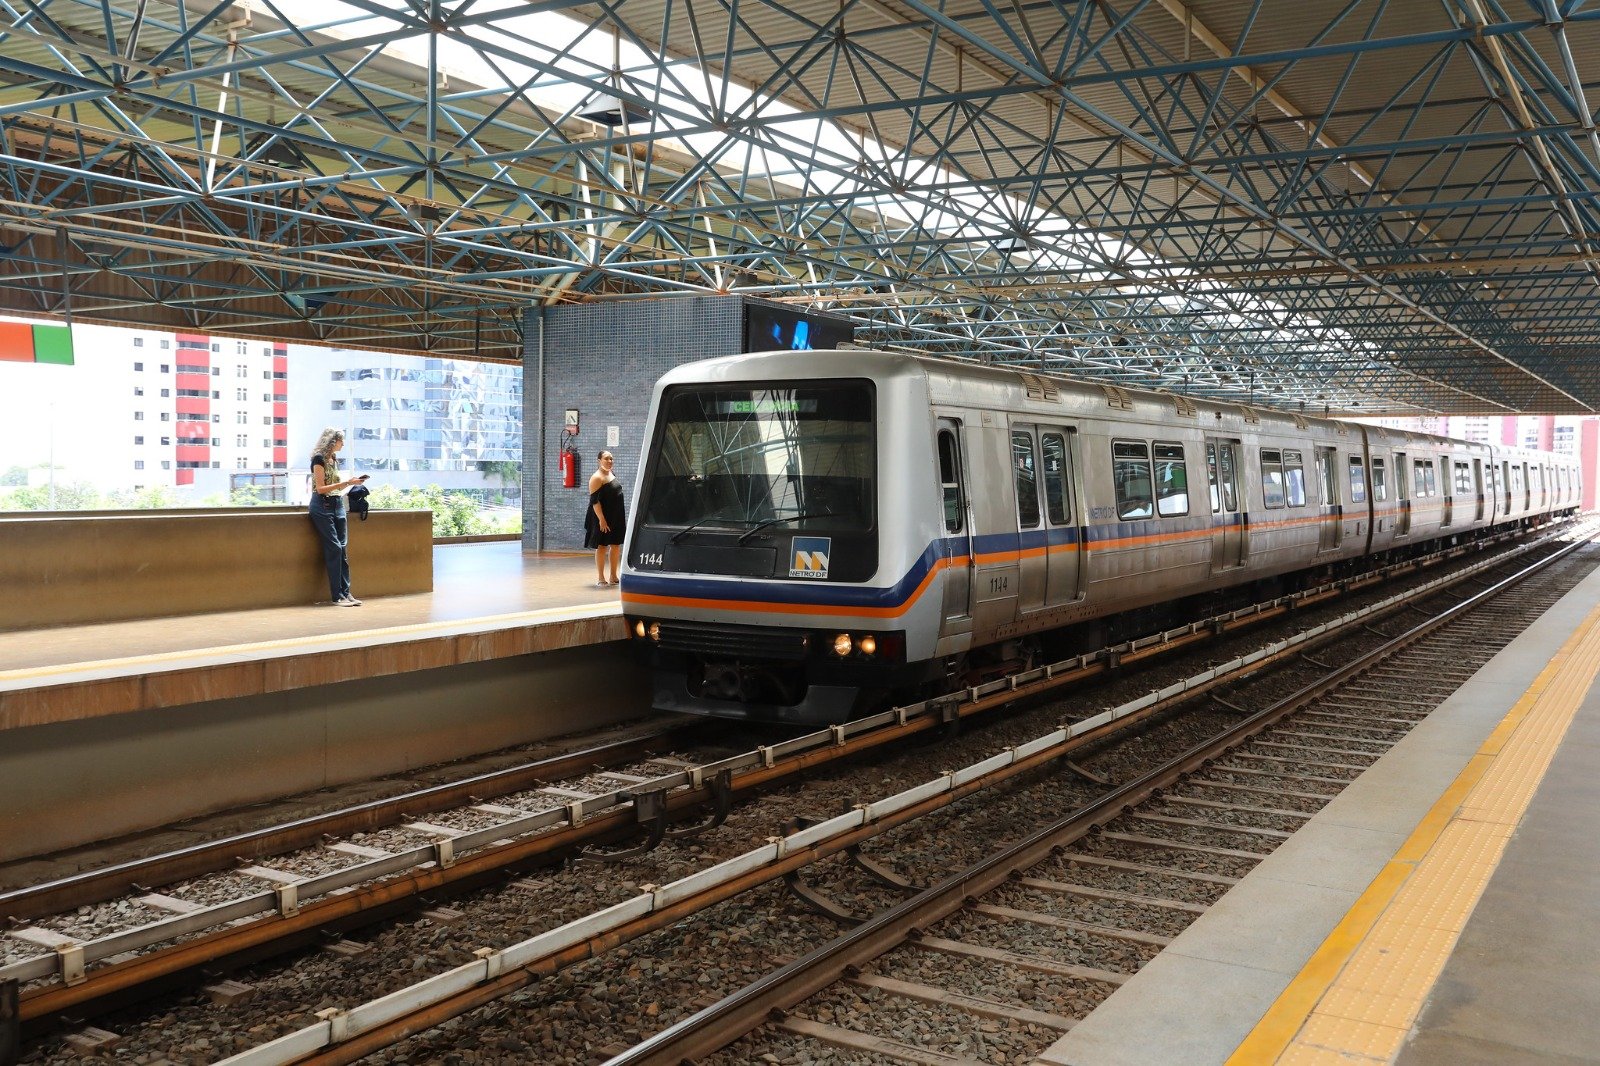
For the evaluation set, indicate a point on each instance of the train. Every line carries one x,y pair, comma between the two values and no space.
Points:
814,533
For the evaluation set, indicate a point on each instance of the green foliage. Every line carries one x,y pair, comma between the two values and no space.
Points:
508,471
247,496
69,496
155,497
454,514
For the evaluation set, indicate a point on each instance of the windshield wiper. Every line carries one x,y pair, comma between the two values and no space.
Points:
759,526
691,527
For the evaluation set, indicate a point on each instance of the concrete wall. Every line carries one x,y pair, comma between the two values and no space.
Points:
72,783
604,359
69,569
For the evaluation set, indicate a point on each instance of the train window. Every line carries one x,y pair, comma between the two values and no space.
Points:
1325,477
733,457
1228,476
1380,484
1130,470
1463,479
1294,478
1054,446
1172,480
1358,480
950,481
1023,469
1211,476
1424,482
1272,494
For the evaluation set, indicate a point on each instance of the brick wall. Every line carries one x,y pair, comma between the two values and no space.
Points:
604,359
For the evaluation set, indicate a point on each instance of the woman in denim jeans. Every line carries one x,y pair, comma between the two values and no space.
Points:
327,514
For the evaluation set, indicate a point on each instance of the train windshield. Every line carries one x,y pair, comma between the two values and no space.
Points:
738,457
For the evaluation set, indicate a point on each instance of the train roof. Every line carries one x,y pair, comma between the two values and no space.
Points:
1038,388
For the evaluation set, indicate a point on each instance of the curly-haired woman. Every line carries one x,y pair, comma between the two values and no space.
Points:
328,517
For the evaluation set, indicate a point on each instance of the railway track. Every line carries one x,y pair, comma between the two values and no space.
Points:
508,973
1130,869
481,854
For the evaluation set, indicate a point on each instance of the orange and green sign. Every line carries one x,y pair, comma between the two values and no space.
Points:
22,343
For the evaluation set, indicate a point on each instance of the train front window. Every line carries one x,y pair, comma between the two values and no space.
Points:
735,457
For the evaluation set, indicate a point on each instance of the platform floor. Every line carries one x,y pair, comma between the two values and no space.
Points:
480,590
469,581
1442,910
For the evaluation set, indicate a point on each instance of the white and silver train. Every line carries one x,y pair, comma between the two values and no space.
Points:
813,531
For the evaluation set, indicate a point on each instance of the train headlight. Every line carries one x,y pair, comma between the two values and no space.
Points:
842,645
868,645
655,632
638,629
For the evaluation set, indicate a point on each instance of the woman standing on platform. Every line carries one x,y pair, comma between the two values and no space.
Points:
606,521
328,517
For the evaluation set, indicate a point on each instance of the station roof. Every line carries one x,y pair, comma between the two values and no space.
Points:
1368,206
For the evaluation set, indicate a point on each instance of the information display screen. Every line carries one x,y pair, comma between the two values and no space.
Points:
769,327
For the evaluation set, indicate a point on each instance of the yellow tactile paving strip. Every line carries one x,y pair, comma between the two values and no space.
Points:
1358,995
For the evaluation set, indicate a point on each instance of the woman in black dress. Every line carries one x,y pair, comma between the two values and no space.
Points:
606,521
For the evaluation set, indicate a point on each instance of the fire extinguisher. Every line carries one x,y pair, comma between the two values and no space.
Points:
569,466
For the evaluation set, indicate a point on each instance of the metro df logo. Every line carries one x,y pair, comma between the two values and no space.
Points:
810,557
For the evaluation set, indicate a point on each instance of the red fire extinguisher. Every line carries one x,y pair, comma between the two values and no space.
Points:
569,467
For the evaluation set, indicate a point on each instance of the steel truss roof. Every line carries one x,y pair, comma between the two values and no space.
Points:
1370,205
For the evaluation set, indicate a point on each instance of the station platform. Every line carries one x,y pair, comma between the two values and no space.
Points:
117,729
489,600
1441,910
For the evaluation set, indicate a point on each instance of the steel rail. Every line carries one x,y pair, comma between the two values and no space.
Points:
741,1013
102,883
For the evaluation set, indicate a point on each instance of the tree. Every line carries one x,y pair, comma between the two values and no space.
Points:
246,496
454,514
69,496
509,471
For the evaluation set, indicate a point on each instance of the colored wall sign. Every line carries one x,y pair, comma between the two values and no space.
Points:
22,343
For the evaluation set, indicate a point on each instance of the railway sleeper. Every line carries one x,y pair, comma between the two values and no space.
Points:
1164,844
1242,808
1234,786
979,1005
1051,921
1221,827
1125,865
866,1043
1065,888
1018,959
1278,745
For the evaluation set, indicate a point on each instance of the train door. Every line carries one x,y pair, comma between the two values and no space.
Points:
1066,534
1031,533
1381,521
957,530
1402,495
1477,488
1360,507
1331,531
1452,474
1229,535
